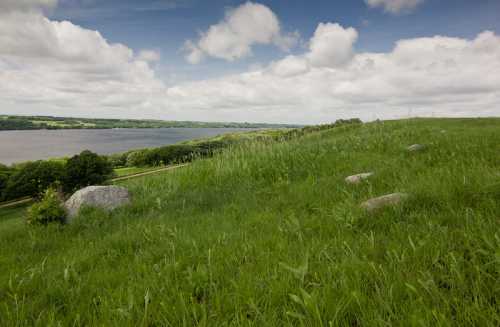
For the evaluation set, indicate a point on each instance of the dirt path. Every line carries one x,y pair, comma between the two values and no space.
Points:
118,179
15,203
122,178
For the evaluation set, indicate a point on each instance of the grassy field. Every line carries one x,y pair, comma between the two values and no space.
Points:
268,234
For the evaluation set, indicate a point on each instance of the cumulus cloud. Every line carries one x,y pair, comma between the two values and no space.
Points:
290,66
149,55
395,6
439,75
62,66
26,5
59,68
233,37
332,45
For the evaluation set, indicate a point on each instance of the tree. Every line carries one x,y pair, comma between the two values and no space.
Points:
5,173
86,169
33,178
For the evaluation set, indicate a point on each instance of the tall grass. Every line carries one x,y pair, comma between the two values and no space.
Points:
268,234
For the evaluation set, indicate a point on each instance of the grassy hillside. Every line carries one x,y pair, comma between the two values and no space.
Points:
268,234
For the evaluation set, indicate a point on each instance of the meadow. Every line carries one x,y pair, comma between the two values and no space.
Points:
267,233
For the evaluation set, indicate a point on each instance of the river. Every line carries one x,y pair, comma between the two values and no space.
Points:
19,146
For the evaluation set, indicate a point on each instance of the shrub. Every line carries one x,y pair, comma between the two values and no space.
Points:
118,160
33,178
137,158
170,154
208,148
48,210
164,155
86,169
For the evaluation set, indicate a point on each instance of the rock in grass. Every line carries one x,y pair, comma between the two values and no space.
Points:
389,200
104,197
416,147
356,179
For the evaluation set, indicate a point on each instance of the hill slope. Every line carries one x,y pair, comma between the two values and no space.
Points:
269,234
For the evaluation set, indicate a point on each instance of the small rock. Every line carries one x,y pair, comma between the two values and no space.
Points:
356,179
416,147
384,201
104,197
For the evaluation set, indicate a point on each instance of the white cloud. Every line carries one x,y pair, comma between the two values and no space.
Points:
290,66
194,54
332,45
440,76
25,5
233,38
60,67
395,6
149,56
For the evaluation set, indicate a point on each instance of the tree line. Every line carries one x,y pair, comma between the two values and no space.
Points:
34,177
50,122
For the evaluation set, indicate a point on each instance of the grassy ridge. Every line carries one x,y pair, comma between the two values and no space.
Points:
268,234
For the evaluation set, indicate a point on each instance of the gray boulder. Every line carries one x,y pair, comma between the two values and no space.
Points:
356,179
104,197
416,147
388,200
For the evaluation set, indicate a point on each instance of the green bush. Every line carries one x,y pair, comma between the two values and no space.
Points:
170,154
86,169
118,160
207,148
137,158
48,210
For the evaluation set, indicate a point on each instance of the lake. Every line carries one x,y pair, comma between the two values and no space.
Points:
19,146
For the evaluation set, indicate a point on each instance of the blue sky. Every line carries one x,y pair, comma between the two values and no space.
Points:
260,61
165,25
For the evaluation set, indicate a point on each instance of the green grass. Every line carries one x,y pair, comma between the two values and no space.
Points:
268,234
12,213
255,135
11,220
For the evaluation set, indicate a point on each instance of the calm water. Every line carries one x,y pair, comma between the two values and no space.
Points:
18,146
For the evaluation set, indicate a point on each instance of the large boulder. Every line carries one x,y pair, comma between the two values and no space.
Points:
384,201
104,197
356,179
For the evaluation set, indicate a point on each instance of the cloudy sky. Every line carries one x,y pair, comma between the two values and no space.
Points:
299,61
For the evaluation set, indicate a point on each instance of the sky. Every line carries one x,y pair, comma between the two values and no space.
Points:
276,61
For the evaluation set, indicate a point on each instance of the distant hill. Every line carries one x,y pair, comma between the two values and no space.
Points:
8,122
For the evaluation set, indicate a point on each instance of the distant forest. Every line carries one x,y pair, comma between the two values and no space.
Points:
48,122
